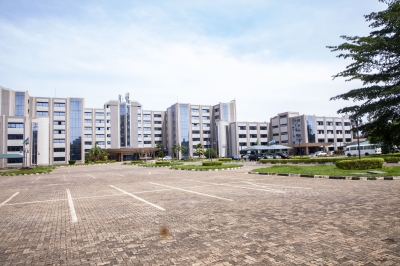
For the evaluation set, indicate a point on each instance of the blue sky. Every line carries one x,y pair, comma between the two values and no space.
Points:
270,56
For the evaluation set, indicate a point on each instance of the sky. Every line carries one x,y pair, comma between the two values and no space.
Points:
270,56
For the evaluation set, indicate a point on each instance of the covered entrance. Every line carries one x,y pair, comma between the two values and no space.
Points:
130,154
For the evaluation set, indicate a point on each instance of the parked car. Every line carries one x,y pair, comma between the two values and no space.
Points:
246,156
283,155
276,156
320,153
268,156
234,157
186,157
255,157
167,158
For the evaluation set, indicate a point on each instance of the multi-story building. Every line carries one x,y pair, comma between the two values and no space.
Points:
310,133
62,129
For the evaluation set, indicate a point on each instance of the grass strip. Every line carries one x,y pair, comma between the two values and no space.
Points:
327,170
200,167
36,170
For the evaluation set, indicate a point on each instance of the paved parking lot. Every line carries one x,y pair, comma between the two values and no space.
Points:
112,215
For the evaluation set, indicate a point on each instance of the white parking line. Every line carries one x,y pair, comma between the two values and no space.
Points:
119,175
50,185
266,190
36,179
91,176
194,192
136,197
32,202
71,207
267,185
10,198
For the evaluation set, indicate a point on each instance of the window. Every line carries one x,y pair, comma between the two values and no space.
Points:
108,142
348,139
217,117
206,125
283,116
147,129
347,124
158,135
42,104
242,127
100,128
139,135
195,132
59,104
139,143
146,122
42,113
157,128
216,109
321,140
87,150
59,159
339,132
275,134
263,128
195,110
59,123
108,135
157,115
205,111
100,142
147,135
206,139
339,140
109,128
88,136
206,118
253,136
59,113
195,118
147,142
14,160
321,131
338,123
99,121
15,125
99,113
242,136
88,128
284,141
206,132
284,133
157,122
275,126
320,123
59,141
99,135
59,131
14,148
283,125
15,136
347,132
146,115
196,139
19,103
88,121
88,143
253,128
59,149
108,106
88,114
139,116
108,114
329,123
331,140
329,132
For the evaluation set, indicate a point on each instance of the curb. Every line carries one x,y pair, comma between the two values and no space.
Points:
29,174
333,177
207,170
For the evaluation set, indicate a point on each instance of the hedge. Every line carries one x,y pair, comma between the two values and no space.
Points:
213,163
305,160
163,163
225,159
136,162
360,164
71,162
391,159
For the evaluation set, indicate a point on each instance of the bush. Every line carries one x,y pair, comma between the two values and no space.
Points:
163,163
113,161
360,164
214,163
71,162
225,159
391,159
190,160
136,162
211,152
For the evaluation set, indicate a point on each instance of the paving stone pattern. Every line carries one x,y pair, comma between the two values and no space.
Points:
209,218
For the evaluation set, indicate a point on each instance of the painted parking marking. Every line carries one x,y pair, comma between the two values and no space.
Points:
136,197
62,184
228,185
32,202
268,185
36,179
190,191
92,176
7,200
71,207
119,175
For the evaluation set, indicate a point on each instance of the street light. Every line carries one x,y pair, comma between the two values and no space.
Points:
355,122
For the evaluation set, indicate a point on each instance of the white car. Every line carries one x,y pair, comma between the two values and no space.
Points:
167,158
320,153
246,156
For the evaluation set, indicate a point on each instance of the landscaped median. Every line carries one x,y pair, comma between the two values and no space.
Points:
208,166
30,171
308,160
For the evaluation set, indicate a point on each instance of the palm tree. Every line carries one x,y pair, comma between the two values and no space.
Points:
97,153
199,149
178,148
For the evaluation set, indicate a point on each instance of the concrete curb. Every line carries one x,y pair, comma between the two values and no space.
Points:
208,170
28,174
333,177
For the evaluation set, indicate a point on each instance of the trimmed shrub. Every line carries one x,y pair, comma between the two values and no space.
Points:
163,163
72,162
190,160
113,161
135,162
360,164
391,159
225,159
213,163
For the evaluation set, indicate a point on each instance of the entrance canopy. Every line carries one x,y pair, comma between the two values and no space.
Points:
263,147
10,156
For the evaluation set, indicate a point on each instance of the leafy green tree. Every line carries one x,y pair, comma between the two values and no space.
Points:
177,149
97,153
388,136
376,63
200,149
161,151
210,153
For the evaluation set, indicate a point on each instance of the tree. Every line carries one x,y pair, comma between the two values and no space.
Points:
200,149
178,148
210,153
385,136
376,63
161,147
97,153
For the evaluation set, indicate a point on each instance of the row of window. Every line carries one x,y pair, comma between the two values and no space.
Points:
89,136
97,114
198,132
96,128
149,135
197,125
149,128
337,132
244,144
202,110
243,136
47,104
198,139
198,117
252,128
98,121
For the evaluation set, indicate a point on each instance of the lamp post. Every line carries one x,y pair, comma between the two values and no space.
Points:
297,137
300,139
356,121
209,149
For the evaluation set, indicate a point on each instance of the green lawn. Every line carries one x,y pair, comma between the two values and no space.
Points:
36,170
200,167
329,170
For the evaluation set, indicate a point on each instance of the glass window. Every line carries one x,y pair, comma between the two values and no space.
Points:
88,143
147,129
99,121
195,118
264,136
146,122
59,149
157,122
59,113
15,136
263,128
321,131
75,125
347,124
242,127
88,136
338,123
157,115
99,113
88,114
88,128
310,129
253,128
58,123
42,104
19,103
158,128
88,121
59,131
59,159
225,112
184,127
59,141
14,148
339,132
100,128
320,123
15,125
329,123
253,136
205,110
42,113
321,140
206,118
146,115
99,136
14,160
283,116
59,104
195,110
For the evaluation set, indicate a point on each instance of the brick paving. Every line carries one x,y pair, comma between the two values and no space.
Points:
210,218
